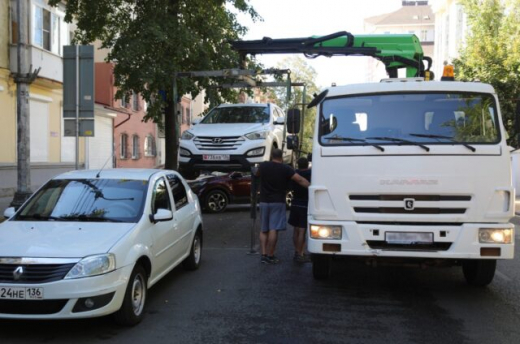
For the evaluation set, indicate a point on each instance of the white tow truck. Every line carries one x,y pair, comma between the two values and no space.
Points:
405,170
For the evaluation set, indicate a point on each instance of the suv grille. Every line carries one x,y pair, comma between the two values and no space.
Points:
218,143
34,273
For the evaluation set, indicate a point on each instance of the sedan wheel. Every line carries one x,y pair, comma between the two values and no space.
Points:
132,310
192,262
216,201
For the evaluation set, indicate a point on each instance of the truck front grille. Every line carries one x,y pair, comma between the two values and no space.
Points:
409,204
224,143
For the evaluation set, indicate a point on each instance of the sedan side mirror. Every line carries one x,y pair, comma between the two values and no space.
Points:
161,215
9,212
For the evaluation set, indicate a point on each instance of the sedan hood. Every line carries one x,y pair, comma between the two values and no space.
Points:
53,239
220,130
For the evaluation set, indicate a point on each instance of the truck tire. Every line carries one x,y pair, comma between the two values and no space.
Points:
479,272
320,266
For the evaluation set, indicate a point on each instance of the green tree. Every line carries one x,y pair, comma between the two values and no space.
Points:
492,51
151,40
301,72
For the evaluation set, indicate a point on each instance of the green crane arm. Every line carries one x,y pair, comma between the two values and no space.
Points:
395,51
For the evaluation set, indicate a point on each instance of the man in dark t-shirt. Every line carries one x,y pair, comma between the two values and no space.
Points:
298,216
275,178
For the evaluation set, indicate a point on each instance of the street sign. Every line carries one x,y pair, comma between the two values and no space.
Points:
78,90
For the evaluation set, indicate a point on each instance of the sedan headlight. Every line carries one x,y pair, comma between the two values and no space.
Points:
325,232
495,235
186,135
92,266
257,135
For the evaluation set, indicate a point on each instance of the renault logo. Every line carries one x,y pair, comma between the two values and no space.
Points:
17,273
217,140
409,203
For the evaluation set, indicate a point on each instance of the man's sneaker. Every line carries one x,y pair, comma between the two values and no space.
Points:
273,260
264,260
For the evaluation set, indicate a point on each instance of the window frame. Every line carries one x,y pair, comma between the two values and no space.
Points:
53,32
123,149
135,147
149,146
172,181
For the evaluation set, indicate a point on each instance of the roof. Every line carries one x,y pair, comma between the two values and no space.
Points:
398,85
406,15
113,173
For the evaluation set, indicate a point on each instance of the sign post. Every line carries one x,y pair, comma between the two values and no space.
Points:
78,92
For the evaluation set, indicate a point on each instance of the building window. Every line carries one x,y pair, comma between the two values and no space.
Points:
124,146
46,30
149,146
135,147
135,101
424,35
188,116
124,102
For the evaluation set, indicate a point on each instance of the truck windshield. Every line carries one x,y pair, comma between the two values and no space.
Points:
417,118
95,200
238,114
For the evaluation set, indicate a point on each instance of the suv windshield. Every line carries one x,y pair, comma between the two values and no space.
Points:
98,200
410,118
237,114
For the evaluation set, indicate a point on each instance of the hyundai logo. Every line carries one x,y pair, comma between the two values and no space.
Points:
409,203
217,140
17,273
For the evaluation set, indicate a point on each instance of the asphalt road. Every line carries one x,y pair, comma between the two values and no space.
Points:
232,298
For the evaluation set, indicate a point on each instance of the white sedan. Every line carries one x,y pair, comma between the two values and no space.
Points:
92,243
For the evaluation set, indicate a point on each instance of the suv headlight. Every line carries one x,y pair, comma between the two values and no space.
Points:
184,152
257,135
495,235
325,232
186,135
92,266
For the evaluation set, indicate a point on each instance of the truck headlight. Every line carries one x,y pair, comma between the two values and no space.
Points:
495,235
92,266
325,232
257,135
186,135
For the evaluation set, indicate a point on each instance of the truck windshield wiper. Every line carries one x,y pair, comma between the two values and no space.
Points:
351,139
471,148
393,139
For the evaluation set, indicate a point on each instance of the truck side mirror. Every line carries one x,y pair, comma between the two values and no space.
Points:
293,121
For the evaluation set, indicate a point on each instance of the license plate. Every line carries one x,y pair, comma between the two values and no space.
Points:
21,293
215,157
407,238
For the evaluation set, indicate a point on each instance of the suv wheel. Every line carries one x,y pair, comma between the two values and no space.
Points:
216,201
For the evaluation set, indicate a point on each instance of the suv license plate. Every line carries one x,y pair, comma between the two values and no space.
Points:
215,157
18,293
406,238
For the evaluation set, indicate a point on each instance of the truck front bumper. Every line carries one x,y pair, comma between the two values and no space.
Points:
448,241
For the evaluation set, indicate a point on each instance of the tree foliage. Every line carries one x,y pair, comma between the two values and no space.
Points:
301,72
150,40
492,51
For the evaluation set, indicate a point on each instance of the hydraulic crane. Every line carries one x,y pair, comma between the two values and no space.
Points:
395,51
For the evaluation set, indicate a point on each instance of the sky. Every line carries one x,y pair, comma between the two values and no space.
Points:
304,18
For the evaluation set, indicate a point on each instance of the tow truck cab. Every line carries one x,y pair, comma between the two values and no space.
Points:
413,171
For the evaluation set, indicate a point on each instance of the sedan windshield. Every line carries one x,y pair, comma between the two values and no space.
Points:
238,114
98,200
410,119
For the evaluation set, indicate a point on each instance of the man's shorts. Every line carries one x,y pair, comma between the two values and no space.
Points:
272,216
298,216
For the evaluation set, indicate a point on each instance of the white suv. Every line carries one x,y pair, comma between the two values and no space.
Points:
232,137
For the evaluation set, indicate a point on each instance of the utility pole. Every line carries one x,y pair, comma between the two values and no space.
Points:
23,79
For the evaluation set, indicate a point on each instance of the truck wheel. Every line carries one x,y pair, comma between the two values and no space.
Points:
479,272
320,266
216,201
